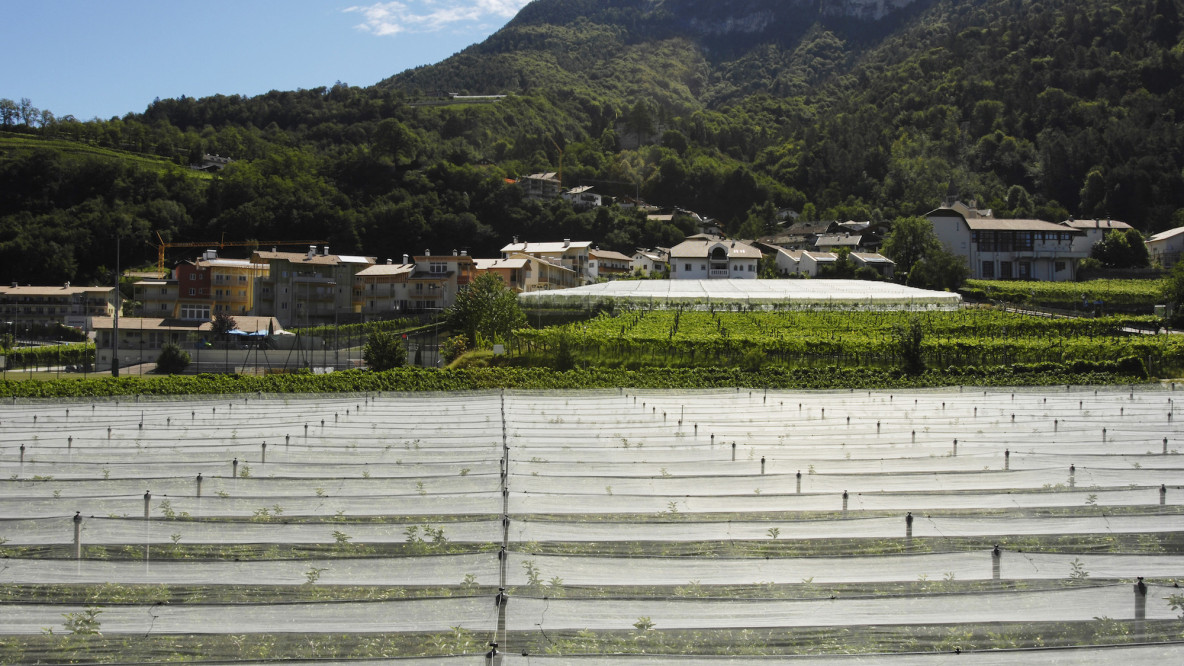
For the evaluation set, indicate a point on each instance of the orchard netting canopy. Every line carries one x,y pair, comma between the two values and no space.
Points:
622,526
754,294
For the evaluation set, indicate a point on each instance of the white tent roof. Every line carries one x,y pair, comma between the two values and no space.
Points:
805,293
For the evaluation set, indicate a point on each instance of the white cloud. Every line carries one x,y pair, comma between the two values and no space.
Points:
392,18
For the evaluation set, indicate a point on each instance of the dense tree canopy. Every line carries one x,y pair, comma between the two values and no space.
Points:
485,310
1046,110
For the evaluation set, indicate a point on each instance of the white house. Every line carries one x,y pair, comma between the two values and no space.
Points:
705,257
1093,231
541,185
875,261
834,242
570,254
811,262
583,197
1008,249
1165,247
651,262
608,265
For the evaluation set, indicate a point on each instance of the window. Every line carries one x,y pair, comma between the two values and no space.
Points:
164,306
242,278
438,267
688,267
284,305
988,269
1023,240
189,311
1059,266
218,292
164,290
1004,270
1025,270
192,291
193,276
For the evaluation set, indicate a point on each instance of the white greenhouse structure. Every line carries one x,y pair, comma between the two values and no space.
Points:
617,526
745,294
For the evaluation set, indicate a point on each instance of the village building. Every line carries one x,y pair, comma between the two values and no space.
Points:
1008,249
307,289
1164,248
569,254
608,265
26,306
704,257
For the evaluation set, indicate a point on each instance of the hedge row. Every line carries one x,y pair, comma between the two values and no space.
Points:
1124,371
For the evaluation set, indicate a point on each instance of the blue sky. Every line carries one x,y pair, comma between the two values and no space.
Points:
104,58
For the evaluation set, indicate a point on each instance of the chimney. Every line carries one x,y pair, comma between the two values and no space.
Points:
427,253
389,262
566,242
273,248
15,284
405,259
454,252
464,253
515,240
312,251
326,251
67,284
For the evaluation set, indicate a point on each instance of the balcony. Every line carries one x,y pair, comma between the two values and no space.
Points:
718,273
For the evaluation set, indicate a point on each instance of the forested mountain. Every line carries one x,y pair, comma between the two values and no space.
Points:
837,108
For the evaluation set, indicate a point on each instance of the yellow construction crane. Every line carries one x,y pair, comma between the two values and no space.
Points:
162,246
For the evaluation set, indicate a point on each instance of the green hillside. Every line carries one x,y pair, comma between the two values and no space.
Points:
1043,109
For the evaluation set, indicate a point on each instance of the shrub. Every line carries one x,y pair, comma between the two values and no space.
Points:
172,360
454,347
384,350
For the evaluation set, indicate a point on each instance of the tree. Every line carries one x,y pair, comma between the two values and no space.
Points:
766,268
1121,249
841,269
453,348
383,351
172,360
910,338
1173,292
28,112
911,239
9,112
487,307
939,269
223,324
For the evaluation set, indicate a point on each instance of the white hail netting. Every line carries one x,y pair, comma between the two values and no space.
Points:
1137,655
628,495
706,294
620,614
